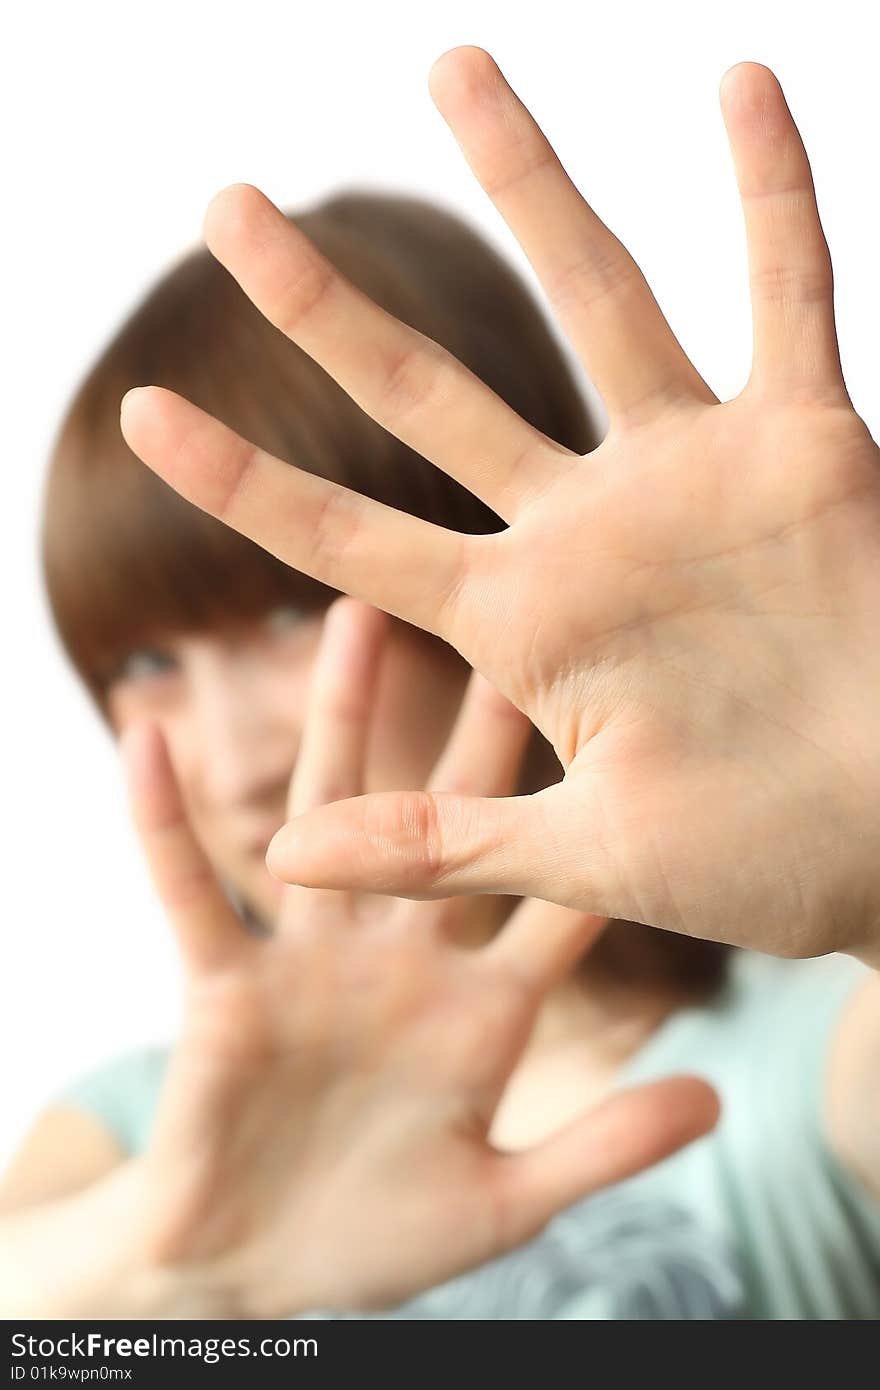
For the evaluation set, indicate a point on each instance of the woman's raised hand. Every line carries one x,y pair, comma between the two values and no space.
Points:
323,1136
689,613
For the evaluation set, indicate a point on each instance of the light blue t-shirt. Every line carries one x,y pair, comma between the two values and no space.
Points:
757,1220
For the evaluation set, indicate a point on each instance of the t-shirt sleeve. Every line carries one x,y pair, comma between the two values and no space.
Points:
122,1094
814,1227
803,1231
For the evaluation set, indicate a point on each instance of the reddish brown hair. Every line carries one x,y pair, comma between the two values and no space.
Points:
126,559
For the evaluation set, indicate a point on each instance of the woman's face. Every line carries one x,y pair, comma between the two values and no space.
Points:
231,706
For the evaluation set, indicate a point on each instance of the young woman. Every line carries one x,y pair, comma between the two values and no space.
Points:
372,1100
317,1059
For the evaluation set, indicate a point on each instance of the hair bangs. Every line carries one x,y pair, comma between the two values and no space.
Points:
128,561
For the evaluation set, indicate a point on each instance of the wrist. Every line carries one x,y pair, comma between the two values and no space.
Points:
168,1268
90,1255
154,1284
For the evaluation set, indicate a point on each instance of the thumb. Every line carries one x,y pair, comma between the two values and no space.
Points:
422,845
631,1130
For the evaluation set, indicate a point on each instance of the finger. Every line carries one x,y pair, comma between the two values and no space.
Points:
205,924
482,757
542,942
595,287
795,341
352,543
484,752
332,754
409,384
435,845
630,1131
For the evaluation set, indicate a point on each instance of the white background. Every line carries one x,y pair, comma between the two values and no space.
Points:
121,120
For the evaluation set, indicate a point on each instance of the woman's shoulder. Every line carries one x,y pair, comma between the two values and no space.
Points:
142,1065
766,1181
121,1092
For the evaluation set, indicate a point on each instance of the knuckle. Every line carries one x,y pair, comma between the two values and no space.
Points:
298,297
245,464
411,379
421,825
445,834
407,830
335,526
600,273
787,284
511,174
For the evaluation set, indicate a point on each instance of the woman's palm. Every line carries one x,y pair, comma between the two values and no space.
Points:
719,588
323,1138
687,613
358,1127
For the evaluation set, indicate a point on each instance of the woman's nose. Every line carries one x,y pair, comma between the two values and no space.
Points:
245,750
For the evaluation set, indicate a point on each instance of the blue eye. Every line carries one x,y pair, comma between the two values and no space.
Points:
146,664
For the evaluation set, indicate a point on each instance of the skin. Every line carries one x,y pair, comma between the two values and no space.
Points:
327,1132
702,667
688,614
232,708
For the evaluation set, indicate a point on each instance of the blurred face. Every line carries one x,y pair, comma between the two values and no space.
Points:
231,706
